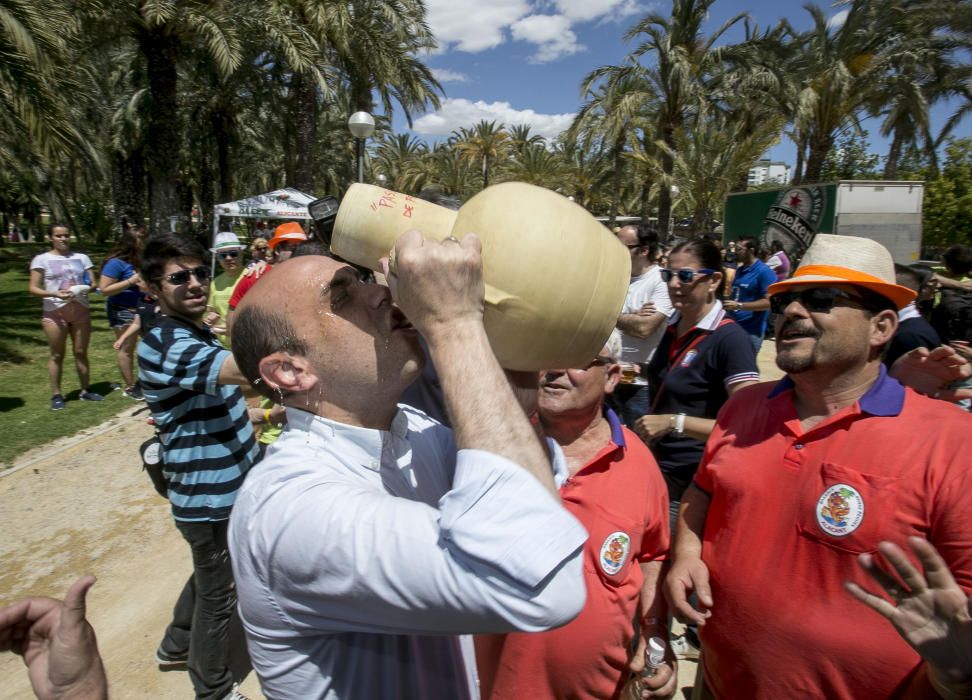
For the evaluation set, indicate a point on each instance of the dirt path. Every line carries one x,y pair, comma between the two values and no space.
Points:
83,505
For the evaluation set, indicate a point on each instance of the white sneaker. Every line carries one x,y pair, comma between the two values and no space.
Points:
235,693
684,649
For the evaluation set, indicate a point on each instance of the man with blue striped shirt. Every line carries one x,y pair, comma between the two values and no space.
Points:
190,384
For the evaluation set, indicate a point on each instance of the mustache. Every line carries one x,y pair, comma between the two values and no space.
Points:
804,328
553,379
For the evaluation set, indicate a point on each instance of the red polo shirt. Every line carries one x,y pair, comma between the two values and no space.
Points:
791,510
244,286
621,499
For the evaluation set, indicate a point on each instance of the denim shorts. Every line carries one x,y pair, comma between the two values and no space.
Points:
120,316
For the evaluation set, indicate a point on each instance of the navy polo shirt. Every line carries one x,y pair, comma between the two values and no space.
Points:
751,283
717,356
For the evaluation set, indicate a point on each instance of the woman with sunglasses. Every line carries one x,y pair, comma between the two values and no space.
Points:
120,283
228,252
702,359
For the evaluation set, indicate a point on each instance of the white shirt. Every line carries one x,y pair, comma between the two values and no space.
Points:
646,287
62,272
359,553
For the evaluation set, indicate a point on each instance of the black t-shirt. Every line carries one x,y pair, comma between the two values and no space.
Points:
912,333
695,386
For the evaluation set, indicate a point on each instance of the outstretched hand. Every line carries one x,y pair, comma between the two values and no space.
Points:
931,371
930,611
57,643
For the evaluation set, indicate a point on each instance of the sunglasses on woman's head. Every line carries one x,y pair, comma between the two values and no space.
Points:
201,273
685,275
229,254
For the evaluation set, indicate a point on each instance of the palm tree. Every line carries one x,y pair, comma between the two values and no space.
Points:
681,60
33,83
837,69
164,33
394,154
537,165
484,144
919,55
616,100
521,138
710,156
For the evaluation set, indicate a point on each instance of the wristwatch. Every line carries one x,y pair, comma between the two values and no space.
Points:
679,426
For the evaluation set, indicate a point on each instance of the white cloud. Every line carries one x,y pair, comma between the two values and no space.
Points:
444,75
837,21
588,10
472,25
461,112
551,34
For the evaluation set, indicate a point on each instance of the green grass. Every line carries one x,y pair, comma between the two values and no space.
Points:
26,420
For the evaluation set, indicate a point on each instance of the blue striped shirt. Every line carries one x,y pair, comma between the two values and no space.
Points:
208,442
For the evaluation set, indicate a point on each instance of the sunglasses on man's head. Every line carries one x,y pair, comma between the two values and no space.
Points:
229,254
201,273
685,275
819,300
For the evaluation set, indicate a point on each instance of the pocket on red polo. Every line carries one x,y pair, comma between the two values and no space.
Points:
846,509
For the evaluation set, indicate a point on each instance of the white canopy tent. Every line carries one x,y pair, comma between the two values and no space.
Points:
287,203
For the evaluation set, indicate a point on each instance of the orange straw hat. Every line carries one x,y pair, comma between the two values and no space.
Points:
861,262
290,231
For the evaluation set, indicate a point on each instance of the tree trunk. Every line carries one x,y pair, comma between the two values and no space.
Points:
205,191
163,133
485,171
798,167
646,185
819,147
128,188
665,191
615,189
303,119
894,155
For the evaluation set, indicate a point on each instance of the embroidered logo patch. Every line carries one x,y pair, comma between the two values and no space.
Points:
840,510
689,356
614,552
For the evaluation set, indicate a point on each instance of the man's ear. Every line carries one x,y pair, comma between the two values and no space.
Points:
612,379
883,326
289,373
155,289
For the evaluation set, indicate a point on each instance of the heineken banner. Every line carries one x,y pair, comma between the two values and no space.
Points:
794,219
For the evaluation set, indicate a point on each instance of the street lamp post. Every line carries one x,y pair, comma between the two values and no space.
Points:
361,125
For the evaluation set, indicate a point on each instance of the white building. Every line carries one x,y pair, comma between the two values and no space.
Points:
766,171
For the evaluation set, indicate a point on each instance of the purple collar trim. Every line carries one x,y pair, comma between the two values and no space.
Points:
884,398
617,435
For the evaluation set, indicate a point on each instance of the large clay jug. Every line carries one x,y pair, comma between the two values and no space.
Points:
555,277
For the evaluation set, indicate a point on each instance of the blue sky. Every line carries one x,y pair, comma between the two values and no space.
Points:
521,61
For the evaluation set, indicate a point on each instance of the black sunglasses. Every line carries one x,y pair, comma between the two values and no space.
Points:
229,254
201,273
685,275
816,299
600,361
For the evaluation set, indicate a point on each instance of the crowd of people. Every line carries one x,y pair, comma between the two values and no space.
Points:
537,538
